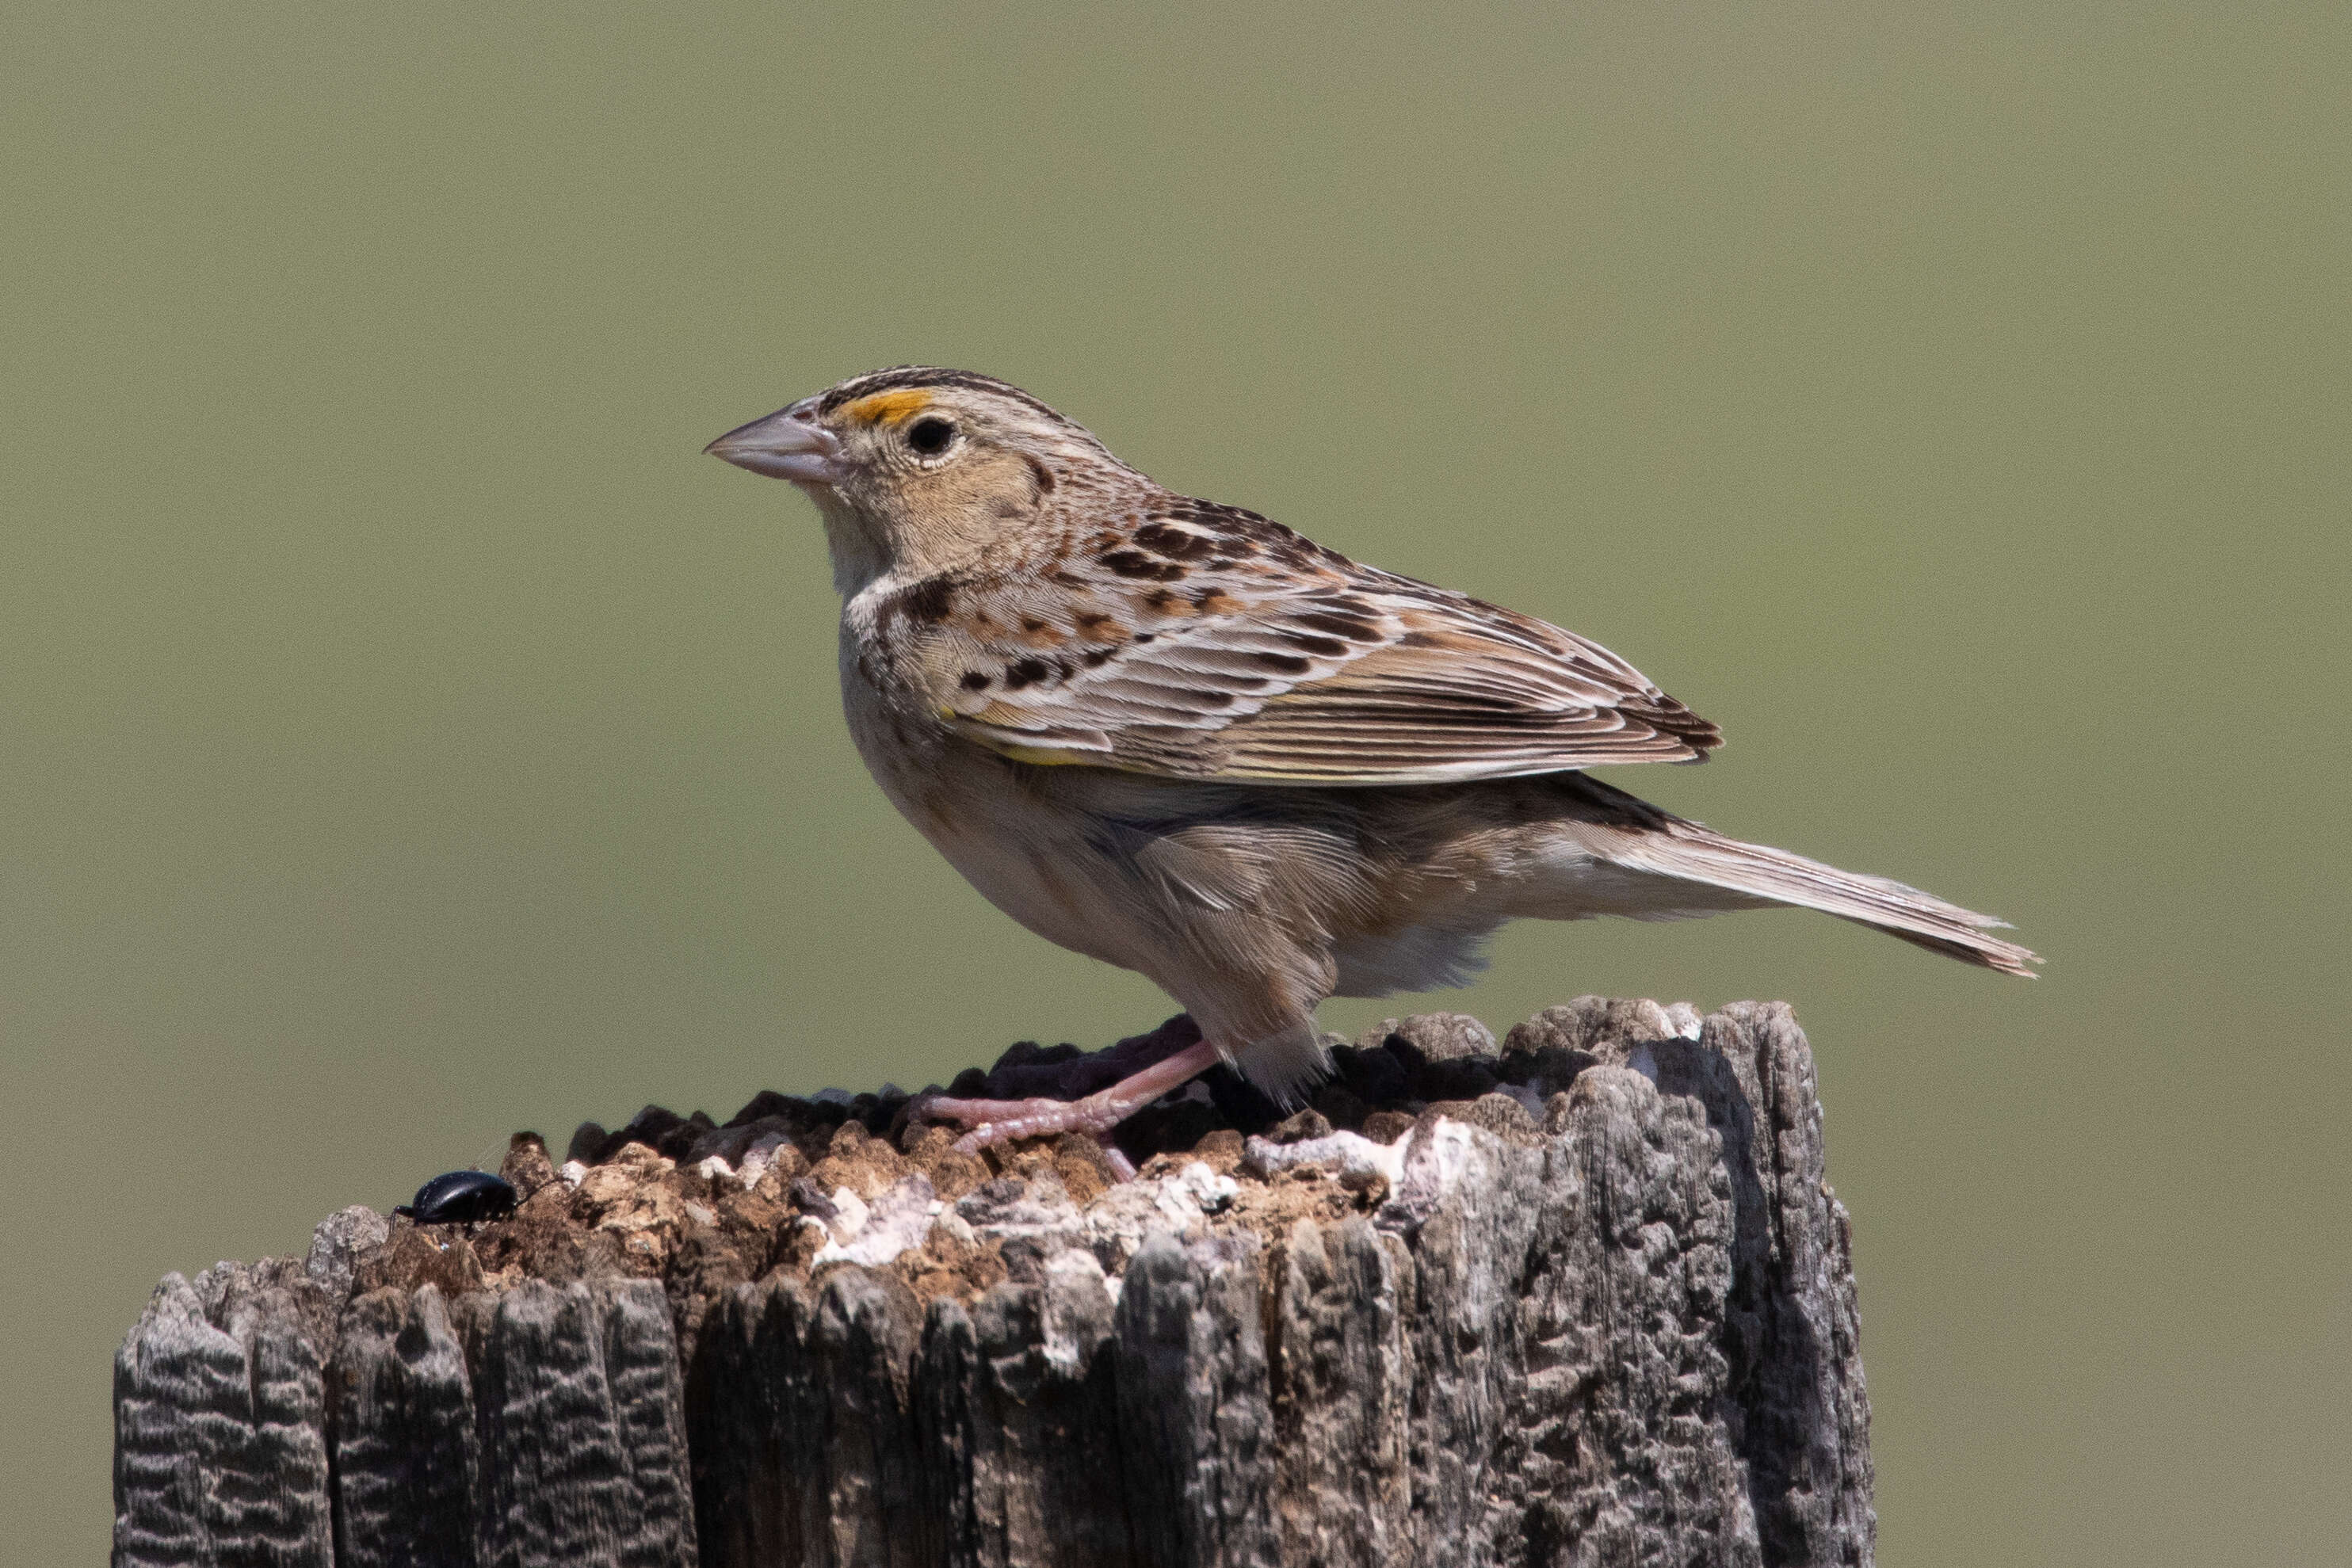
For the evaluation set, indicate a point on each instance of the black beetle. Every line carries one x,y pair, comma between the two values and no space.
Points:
459,1197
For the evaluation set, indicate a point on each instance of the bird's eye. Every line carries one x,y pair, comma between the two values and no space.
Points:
930,436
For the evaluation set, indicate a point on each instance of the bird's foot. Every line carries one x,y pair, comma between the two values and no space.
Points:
1001,1120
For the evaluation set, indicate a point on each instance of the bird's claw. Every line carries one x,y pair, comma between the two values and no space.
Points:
1002,1121
991,1122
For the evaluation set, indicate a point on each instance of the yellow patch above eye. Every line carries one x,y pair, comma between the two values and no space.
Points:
889,407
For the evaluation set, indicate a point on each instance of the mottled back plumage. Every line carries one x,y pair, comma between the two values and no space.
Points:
1200,640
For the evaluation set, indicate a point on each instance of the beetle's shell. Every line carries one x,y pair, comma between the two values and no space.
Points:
460,1197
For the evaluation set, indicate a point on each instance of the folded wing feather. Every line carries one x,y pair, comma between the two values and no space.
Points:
1308,669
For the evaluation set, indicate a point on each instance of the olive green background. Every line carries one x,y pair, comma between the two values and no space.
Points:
409,737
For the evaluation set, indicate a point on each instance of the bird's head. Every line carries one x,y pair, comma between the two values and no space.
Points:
919,469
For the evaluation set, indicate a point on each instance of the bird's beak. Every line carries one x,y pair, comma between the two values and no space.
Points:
783,446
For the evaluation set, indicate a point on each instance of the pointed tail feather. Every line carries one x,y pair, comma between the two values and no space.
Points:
1669,846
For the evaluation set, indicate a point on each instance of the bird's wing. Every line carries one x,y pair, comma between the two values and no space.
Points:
1215,644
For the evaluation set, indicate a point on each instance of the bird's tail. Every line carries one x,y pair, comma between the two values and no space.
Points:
1665,845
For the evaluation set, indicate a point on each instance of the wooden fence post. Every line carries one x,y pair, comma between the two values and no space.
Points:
1583,1297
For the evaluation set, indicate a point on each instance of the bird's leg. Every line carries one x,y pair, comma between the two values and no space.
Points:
1000,1121
1115,1157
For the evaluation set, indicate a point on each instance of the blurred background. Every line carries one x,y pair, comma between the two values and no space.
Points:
409,737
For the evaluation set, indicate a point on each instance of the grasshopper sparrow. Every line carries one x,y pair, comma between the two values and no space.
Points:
1183,739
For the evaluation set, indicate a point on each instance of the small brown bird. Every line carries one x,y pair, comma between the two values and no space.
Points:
1182,738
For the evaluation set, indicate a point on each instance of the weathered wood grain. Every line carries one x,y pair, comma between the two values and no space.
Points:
407,1457
1603,1313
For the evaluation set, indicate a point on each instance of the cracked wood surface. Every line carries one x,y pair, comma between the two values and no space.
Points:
1623,1332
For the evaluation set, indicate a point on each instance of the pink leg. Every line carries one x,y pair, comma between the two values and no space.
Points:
999,1120
1120,1166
